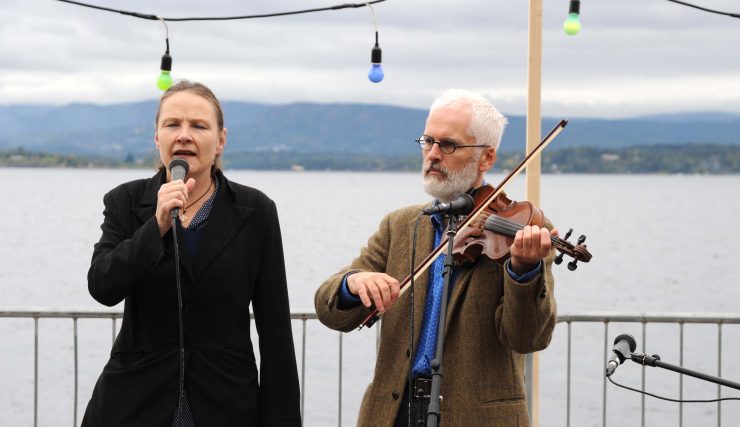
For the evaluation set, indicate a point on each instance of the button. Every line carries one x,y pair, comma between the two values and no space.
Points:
543,294
395,395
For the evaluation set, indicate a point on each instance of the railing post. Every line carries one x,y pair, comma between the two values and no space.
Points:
603,392
567,406
642,396
35,371
719,373
303,366
74,322
680,377
340,379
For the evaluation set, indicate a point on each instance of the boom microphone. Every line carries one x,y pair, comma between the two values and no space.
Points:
462,205
624,345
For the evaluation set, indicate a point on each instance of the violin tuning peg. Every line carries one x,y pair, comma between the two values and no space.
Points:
572,265
581,238
567,235
558,259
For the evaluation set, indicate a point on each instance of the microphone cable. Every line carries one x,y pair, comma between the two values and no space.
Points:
178,416
668,398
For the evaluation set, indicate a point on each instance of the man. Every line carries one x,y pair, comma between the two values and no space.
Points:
495,313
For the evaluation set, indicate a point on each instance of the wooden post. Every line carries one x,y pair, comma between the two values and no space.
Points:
534,133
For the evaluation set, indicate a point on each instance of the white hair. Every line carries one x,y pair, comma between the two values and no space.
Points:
487,124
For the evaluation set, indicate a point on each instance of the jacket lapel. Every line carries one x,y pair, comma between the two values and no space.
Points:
228,215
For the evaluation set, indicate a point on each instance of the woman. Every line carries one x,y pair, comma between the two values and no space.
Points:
231,255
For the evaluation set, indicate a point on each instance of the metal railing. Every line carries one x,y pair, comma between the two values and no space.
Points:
680,319
567,318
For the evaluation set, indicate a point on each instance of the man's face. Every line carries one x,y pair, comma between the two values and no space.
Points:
446,176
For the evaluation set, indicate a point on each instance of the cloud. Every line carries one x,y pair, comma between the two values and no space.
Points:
631,57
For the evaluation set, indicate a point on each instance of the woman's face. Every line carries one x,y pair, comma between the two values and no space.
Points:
187,128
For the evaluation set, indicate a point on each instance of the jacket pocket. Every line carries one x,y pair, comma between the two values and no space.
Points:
504,401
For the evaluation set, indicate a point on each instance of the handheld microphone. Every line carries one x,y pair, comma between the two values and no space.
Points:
462,205
179,169
624,345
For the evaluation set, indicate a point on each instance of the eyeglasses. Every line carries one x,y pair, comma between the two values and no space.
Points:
447,146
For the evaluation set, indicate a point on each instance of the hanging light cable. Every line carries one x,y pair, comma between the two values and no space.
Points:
165,78
376,73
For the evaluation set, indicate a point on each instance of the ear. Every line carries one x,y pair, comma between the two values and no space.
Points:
156,138
487,159
221,142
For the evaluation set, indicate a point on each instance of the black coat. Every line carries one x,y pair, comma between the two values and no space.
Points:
239,260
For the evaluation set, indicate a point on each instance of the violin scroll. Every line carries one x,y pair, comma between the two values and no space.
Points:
579,251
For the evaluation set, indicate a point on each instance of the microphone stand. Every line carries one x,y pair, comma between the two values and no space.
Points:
654,360
179,318
433,411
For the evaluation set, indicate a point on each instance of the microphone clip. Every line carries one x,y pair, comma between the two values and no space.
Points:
462,205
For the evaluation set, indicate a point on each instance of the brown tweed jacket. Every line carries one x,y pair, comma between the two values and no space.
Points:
491,322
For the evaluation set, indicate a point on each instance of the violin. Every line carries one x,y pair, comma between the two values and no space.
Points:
491,233
495,216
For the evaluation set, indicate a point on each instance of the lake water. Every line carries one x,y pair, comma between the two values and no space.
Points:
660,243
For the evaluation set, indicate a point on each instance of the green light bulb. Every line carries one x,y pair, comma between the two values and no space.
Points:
572,24
165,80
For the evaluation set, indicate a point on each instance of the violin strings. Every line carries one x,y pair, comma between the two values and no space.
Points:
500,223
509,226
504,224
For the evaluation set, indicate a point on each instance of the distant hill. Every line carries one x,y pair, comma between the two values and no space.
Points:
126,130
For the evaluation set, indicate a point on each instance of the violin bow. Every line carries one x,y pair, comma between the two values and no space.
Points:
375,315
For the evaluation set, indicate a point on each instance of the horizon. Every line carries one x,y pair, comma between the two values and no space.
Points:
658,116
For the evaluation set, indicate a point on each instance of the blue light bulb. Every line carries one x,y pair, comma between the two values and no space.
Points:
376,73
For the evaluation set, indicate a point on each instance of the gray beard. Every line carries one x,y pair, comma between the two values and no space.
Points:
452,184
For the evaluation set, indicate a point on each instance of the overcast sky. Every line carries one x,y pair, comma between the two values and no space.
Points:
631,57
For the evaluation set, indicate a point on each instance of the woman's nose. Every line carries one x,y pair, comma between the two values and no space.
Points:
184,134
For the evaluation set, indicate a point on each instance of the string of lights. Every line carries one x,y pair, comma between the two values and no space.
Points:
572,24
733,15
375,75
225,18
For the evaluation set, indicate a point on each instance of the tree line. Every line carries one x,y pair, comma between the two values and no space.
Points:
660,159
